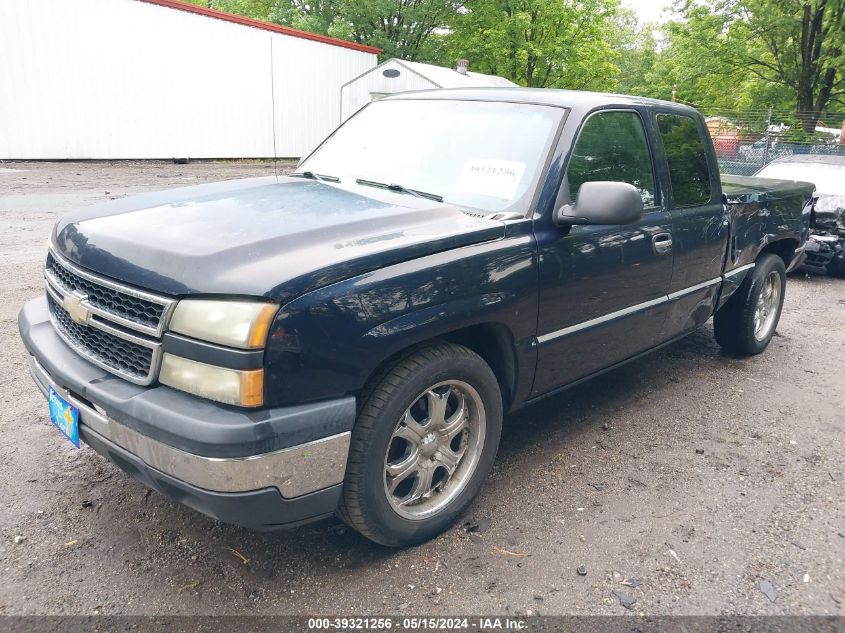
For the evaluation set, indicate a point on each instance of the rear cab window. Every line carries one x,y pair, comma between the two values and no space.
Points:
612,146
686,155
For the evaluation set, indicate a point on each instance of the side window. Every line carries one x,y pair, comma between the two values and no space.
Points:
612,146
687,158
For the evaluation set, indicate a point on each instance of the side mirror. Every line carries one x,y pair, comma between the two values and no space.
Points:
603,202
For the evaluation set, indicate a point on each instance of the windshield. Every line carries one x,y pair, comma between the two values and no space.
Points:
477,154
828,179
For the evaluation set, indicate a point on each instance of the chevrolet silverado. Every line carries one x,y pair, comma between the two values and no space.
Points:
346,339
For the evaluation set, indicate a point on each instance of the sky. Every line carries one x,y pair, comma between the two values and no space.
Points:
648,10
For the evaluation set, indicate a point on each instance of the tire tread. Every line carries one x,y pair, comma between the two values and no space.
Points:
374,398
731,323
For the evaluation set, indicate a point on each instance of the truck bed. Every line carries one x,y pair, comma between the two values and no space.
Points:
747,189
761,209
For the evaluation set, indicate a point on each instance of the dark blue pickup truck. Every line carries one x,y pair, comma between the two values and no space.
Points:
346,340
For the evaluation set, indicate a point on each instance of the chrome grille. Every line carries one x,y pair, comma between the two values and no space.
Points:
113,352
114,326
133,308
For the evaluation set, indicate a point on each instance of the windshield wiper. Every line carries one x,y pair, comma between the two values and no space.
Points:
312,176
399,189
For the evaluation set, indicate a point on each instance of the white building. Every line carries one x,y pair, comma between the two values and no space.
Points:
398,75
99,79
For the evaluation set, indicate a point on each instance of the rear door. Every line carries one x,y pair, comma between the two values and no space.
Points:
602,288
699,221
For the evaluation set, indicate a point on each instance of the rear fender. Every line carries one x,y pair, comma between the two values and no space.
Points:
769,222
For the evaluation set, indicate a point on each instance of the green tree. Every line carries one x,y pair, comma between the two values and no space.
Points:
257,9
636,54
316,16
786,50
694,57
408,29
539,43
809,60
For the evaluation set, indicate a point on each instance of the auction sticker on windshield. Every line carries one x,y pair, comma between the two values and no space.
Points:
64,416
495,178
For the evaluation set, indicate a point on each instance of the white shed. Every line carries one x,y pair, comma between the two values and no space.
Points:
111,79
399,75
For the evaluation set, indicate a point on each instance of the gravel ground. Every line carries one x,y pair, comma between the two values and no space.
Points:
686,481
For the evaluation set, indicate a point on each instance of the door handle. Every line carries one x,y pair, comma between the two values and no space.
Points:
662,243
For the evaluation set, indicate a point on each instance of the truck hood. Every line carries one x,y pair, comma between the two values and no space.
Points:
261,236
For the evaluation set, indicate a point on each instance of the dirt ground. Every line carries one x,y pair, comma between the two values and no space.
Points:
688,481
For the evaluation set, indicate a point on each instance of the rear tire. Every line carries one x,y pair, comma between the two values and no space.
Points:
425,440
746,324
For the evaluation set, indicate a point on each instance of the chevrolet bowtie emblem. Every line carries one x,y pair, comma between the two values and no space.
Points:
75,307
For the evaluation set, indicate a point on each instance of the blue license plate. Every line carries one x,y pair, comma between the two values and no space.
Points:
64,416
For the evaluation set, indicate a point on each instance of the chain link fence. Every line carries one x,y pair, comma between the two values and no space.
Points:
747,140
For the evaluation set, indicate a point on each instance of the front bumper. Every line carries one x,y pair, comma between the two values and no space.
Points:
263,469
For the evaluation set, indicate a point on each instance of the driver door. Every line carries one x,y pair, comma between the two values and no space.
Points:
603,288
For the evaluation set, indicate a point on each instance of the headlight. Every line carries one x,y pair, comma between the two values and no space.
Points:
242,324
230,386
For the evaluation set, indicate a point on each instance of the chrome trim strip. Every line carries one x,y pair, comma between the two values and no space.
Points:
294,471
58,298
626,311
126,336
167,304
736,271
602,319
680,293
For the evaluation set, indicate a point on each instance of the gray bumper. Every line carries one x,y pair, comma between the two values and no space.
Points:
296,450
294,471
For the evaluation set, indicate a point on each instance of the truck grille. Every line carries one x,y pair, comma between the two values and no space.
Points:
132,308
114,326
110,351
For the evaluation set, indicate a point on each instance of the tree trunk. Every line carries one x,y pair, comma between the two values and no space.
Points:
805,106
806,113
810,109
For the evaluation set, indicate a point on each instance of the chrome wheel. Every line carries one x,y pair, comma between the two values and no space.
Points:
766,310
434,449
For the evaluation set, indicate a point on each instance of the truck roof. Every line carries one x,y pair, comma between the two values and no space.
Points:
573,99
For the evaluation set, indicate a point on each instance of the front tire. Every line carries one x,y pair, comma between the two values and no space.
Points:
425,440
747,322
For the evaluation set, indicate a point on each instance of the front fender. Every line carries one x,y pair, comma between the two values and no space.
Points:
436,320
330,341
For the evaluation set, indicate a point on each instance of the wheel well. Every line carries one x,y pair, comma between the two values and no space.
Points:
492,341
785,249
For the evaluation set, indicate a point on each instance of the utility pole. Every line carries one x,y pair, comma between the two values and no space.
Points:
768,138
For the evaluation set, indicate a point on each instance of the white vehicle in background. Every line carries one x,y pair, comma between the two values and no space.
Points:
761,150
826,245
